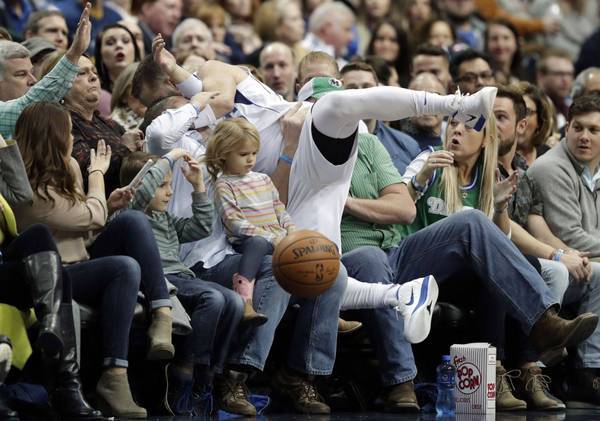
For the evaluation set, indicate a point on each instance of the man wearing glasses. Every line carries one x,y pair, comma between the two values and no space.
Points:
471,70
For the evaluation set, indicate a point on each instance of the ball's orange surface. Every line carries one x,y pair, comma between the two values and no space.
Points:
306,263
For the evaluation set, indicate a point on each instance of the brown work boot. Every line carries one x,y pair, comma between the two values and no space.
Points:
505,400
346,327
245,288
552,333
231,393
301,393
401,398
534,387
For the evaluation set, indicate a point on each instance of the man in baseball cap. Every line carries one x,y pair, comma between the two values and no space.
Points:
38,48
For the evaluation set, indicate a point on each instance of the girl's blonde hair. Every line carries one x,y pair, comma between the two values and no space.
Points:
451,186
228,137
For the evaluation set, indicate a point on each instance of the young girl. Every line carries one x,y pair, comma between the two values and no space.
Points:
254,218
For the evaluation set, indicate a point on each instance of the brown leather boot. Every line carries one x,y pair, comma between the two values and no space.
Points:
401,398
552,333
346,327
505,400
534,387
301,393
245,288
231,393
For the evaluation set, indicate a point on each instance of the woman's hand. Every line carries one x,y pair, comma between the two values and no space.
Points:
133,140
194,174
436,159
177,153
100,159
504,190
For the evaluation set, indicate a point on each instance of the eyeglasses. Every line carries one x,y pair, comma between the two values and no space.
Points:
472,77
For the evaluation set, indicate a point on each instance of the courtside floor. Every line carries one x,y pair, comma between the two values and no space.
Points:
574,415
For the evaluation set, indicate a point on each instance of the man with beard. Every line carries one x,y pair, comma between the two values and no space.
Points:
554,75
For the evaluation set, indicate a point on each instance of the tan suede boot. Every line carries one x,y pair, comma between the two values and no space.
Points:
114,397
534,387
505,400
159,334
346,327
245,288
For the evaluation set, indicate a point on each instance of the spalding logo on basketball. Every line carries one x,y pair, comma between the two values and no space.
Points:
306,263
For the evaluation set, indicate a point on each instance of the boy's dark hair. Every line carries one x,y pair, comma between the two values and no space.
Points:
359,66
588,103
132,164
510,92
467,55
156,110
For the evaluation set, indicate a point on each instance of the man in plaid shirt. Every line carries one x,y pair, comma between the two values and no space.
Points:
17,89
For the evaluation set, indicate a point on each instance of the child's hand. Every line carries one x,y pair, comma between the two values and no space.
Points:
194,174
177,153
201,99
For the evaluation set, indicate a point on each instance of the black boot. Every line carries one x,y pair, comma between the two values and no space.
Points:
66,397
6,413
44,276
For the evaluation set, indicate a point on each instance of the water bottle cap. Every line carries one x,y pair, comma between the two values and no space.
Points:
446,358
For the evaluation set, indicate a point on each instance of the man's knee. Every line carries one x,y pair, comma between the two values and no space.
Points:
368,264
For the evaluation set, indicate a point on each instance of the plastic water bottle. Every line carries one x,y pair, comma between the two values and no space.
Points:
445,404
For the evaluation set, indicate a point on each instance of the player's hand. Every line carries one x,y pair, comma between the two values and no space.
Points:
194,174
163,57
133,139
81,40
291,126
504,190
201,99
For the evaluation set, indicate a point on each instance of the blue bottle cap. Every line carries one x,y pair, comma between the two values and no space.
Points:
446,358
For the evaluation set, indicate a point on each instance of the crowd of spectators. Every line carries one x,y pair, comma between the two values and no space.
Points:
409,189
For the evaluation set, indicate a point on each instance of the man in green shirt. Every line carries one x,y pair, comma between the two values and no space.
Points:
18,87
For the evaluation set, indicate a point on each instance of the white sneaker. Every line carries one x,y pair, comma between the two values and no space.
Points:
5,357
417,300
474,110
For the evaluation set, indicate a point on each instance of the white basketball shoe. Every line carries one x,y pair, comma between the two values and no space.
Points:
417,300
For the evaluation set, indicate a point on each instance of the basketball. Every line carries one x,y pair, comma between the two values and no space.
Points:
306,263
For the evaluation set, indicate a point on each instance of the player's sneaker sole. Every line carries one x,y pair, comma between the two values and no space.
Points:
417,302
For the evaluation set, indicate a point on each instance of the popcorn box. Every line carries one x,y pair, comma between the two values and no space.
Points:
475,387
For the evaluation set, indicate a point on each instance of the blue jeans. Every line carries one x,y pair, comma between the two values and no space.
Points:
585,296
109,284
215,313
130,234
314,341
469,240
252,249
397,363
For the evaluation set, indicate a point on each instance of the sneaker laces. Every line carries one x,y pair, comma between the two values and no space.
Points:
506,381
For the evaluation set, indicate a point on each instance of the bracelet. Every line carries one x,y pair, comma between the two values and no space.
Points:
418,188
557,254
93,171
286,158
